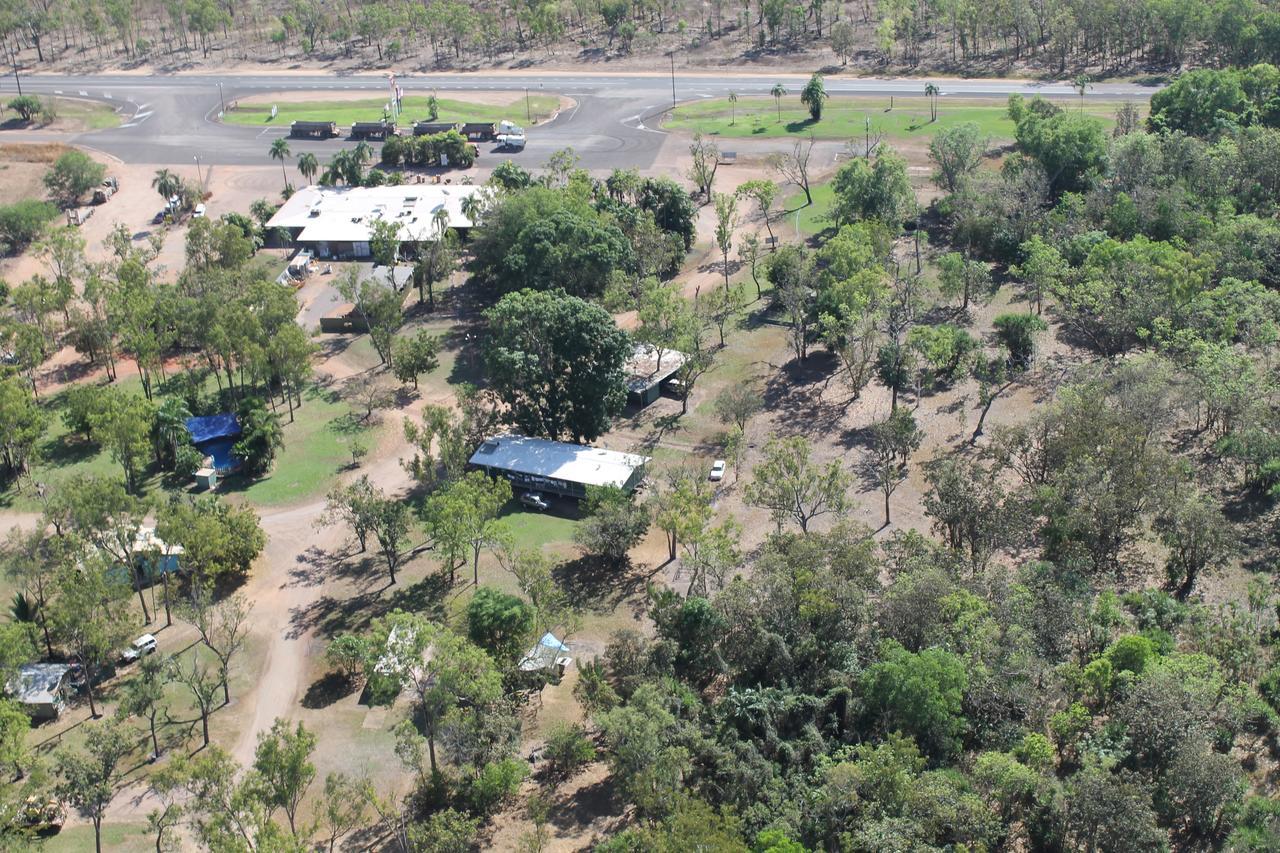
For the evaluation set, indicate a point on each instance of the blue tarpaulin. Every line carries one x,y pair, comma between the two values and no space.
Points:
213,427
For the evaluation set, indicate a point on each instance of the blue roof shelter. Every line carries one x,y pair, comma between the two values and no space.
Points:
214,436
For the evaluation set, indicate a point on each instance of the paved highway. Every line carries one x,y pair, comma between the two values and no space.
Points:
171,119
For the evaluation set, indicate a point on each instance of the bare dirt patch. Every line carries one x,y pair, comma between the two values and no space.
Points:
22,166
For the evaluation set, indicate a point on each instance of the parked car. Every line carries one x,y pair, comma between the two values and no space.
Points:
199,212
534,500
144,645
717,471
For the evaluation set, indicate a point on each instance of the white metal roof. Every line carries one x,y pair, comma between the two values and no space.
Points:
341,214
147,540
38,683
642,368
574,463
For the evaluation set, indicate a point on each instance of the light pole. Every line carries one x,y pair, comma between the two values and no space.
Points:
672,55
199,177
222,99
528,113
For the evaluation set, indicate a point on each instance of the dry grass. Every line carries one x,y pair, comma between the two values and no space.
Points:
32,152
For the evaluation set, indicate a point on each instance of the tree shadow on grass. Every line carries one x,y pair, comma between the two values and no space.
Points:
329,615
795,393
587,805
598,586
800,126
327,689
68,450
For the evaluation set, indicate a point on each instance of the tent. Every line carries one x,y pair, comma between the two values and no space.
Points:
547,654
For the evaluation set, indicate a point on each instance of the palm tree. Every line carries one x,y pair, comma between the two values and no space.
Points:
171,426
363,153
473,208
308,165
280,151
1082,84
931,91
733,103
778,91
167,184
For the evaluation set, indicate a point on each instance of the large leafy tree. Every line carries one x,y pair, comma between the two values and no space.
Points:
282,760
89,618
1070,146
499,623
877,189
464,516
542,238
72,175
556,362
918,694
794,487
614,523
22,424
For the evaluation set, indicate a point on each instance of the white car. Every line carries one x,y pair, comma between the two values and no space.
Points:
199,212
717,471
534,500
144,645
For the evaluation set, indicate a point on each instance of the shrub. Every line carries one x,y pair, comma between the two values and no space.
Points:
496,783
187,461
22,222
568,748
73,174
26,106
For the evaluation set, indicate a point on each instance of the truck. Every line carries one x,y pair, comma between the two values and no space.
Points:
428,128
479,131
510,136
372,129
315,129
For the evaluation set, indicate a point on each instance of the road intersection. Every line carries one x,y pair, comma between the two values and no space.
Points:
173,118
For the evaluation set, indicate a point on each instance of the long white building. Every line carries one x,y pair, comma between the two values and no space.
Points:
336,222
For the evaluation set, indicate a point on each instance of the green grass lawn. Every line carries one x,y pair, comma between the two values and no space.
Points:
316,447
370,109
120,837
538,529
85,115
809,219
847,117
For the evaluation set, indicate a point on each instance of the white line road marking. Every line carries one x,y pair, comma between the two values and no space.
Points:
143,106
141,117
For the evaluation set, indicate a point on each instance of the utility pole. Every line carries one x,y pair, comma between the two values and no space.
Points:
199,177
528,113
222,99
672,54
